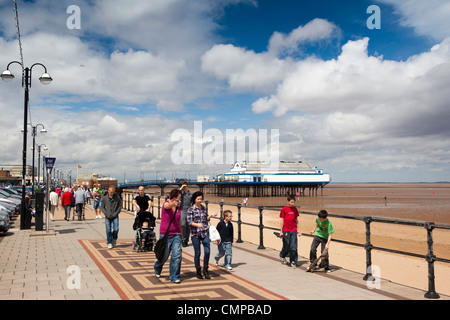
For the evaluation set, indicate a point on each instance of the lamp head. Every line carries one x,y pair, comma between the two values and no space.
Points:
45,79
7,76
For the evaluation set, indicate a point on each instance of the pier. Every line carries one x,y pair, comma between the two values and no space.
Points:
240,189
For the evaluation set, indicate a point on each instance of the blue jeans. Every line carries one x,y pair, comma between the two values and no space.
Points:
290,246
197,251
225,249
111,234
174,246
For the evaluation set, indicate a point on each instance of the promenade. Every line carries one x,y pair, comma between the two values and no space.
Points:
71,262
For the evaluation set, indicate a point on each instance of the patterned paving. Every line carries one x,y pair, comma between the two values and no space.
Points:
132,276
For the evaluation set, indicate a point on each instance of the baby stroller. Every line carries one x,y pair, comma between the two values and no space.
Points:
144,223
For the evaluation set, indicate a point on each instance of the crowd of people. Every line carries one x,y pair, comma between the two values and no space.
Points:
184,218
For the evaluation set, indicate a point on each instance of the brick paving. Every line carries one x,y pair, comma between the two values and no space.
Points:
37,265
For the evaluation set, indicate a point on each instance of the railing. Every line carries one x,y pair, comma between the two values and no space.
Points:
429,227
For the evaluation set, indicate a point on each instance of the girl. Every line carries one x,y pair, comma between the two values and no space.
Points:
197,219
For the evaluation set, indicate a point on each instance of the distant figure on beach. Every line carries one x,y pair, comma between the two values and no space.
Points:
244,201
289,229
322,235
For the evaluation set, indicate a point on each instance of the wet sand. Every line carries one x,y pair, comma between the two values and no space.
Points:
421,202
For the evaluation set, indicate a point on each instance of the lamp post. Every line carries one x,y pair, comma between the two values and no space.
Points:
39,161
34,133
26,84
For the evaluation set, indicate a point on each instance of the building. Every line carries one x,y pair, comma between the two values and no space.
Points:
6,179
91,180
15,173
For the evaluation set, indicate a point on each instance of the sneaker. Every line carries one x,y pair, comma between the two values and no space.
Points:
283,261
157,275
110,246
177,281
217,262
327,270
293,264
229,268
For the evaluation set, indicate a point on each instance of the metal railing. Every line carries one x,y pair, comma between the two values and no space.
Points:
429,227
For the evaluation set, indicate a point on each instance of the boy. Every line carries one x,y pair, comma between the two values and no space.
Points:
225,228
322,235
289,227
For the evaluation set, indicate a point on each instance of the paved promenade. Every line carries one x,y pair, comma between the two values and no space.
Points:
41,265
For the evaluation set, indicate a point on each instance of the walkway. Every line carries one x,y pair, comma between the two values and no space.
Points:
40,265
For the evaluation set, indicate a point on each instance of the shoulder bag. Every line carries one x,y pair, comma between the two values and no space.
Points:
161,244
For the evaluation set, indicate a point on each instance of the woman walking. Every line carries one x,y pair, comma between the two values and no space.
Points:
198,221
170,218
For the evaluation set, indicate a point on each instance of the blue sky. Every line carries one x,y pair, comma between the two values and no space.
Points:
363,105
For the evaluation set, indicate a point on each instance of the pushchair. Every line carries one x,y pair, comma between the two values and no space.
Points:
145,236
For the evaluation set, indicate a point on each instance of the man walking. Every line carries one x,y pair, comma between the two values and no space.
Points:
80,201
111,207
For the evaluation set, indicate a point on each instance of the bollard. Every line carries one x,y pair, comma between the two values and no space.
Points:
261,228
431,294
39,211
221,210
239,223
368,246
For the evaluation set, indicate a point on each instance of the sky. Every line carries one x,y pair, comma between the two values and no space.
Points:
360,93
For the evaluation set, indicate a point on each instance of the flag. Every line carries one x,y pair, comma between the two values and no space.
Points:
79,167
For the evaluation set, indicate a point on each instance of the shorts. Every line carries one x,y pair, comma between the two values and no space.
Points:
97,204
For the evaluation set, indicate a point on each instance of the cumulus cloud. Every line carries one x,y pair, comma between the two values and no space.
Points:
354,109
313,31
351,113
428,18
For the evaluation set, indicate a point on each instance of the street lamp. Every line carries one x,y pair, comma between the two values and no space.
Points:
44,148
34,133
26,84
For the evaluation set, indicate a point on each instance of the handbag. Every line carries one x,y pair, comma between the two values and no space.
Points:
161,244
214,235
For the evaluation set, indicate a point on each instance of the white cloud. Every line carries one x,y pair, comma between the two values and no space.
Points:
244,69
313,31
428,18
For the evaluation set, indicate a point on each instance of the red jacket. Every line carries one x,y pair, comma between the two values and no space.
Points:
66,198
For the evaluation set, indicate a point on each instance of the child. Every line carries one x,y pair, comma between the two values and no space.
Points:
147,233
289,227
322,235
225,228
